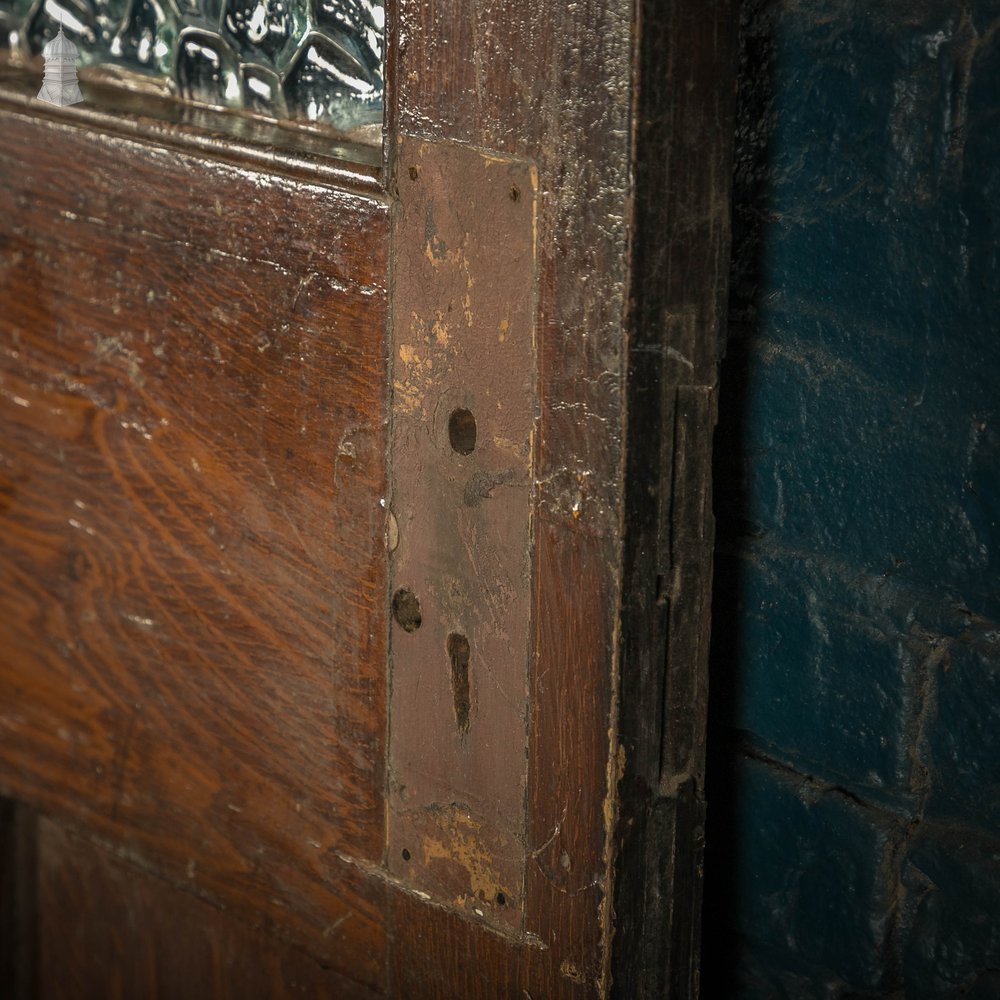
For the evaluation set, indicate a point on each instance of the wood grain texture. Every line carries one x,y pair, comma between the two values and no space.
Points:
679,268
439,955
192,390
551,82
110,931
277,147
194,585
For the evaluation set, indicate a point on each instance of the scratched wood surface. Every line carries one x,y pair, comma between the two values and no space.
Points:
192,393
195,659
680,257
551,82
109,931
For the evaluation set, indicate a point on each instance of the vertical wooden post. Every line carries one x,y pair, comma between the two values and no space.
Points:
684,106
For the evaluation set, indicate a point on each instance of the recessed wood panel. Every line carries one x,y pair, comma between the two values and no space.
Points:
192,563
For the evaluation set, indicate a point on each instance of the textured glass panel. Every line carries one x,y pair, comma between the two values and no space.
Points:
316,60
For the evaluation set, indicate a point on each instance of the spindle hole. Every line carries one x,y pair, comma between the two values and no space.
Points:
406,609
462,431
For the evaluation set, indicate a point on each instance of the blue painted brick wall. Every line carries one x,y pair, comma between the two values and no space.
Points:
854,786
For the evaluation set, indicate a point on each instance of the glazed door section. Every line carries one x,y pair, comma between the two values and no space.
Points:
310,523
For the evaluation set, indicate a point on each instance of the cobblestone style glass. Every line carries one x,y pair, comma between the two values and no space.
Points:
310,60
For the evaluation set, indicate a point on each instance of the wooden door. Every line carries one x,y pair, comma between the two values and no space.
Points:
318,674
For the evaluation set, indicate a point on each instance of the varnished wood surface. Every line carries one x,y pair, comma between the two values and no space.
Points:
551,82
277,147
261,682
108,932
192,567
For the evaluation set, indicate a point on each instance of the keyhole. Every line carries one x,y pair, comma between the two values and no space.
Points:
462,431
406,609
458,653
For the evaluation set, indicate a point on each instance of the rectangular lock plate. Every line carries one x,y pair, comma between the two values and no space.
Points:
462,475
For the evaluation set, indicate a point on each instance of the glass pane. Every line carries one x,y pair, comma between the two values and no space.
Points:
313,60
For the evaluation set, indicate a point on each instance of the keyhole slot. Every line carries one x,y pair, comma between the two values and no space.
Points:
462,431
458,654
406,609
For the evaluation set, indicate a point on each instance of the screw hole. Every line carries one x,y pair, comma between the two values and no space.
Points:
406,609
462,431
501,899
515,193
406,854
414,173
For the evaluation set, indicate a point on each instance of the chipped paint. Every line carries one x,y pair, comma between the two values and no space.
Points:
571,972
457,842
463,345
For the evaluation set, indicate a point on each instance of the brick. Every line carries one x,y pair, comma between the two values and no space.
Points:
962,743
764,973
812,885
838,460
831,668
951,935
869,241
858,496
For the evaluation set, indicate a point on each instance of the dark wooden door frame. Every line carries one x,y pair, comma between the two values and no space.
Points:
680,246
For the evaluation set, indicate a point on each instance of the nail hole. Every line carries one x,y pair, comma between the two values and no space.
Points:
406,854
406,609
414,173
458,653
462,431
515,192
501,899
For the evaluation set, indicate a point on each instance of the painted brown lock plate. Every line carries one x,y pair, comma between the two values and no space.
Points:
461,466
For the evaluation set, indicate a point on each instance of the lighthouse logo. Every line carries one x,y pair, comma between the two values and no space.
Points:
59,85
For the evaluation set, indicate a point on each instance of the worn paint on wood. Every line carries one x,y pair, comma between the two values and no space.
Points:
463,420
